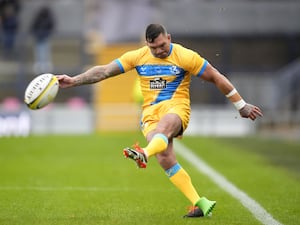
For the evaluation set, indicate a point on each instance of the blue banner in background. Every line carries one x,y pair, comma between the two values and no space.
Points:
15,124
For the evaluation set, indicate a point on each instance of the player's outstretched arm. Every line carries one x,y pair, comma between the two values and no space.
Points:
246,110
92,75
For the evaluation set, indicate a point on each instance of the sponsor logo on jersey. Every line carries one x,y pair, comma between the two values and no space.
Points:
158,83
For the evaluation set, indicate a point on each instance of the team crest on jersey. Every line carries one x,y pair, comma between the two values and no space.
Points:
158,83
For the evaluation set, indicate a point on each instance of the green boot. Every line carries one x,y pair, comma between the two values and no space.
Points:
205,205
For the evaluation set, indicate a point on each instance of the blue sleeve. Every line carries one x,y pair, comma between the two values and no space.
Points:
202,69
120,65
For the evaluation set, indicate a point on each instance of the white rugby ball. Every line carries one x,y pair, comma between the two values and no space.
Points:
41,91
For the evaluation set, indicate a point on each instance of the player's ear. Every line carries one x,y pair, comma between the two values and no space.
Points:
169,37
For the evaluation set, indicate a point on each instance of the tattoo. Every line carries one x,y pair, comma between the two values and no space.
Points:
97,74
86,78
78,81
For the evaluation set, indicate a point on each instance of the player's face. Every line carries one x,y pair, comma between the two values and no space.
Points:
160,47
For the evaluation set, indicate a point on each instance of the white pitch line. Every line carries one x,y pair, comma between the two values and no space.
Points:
254,207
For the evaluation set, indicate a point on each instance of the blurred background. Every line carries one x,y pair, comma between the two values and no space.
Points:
255,43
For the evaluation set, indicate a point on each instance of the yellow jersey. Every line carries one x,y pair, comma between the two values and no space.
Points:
164,79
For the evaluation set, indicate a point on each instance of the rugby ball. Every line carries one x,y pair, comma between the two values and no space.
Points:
41,91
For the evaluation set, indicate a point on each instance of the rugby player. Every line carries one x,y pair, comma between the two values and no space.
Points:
165,70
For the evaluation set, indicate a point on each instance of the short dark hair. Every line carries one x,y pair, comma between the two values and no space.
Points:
153,31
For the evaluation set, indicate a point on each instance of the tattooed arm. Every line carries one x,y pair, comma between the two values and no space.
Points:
92,75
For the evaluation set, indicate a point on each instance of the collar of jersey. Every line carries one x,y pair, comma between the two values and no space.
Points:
171,48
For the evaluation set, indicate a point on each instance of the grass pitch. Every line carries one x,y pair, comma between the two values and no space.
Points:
65,180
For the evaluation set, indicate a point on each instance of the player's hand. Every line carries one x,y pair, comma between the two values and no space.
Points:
250,111
65,81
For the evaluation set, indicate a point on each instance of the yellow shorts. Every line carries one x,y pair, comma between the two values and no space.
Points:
152,114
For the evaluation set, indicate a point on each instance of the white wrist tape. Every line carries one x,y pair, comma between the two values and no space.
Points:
239,104
231,93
